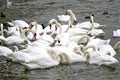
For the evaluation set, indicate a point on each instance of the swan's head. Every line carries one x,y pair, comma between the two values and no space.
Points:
88,48
32,24
68,12
53,21
15,49
73,19
23,32
84,39
62,40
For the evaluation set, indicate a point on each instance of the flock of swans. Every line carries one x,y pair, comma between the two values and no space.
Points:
36,46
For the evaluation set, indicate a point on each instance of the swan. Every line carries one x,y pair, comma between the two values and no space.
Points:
80,39
86,25
116,33
107,49
67,29
5,51
64,17
36,58
95,57
102,46
98,43
36,27
17,39
68,56
19,23
73,19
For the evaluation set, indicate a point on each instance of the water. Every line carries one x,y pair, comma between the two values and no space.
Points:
44,10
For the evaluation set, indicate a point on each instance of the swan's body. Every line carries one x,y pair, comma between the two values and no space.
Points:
63,17
20,23
36,27
35,57
87,25
96,32
68,56
4,51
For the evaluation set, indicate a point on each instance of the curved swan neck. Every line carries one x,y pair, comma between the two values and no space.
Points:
15,49
22,33
116,45
68,27
57,24
82,38
64,58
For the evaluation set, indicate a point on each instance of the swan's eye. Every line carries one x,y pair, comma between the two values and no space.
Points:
58,41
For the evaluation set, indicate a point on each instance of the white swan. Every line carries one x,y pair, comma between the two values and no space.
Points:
36,27
36,58
80,39
67,29
68,56
4,51
95,57
17,39
19,23
116,33
64,17
86,25
98,43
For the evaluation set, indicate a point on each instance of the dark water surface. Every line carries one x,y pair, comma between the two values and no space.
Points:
44,10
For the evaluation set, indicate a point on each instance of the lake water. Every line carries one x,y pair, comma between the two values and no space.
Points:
44,10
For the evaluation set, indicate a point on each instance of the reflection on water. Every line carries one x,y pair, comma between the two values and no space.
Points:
42,11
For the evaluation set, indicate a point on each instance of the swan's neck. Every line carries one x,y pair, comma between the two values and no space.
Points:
60,27
1,26
36,26
64,58
68,27
22,33
73,19
92,22
82,39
